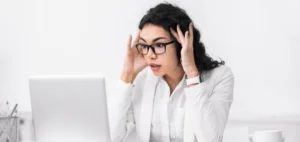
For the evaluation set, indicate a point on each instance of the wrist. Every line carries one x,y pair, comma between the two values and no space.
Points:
191,85
192,73
193,81
127,77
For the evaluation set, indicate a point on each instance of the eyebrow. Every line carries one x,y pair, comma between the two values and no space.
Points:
154,40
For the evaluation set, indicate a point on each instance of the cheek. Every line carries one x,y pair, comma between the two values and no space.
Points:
170,59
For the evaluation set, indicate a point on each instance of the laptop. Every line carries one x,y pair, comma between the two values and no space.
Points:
69,108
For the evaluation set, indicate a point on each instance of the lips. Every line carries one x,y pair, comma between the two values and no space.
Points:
152,64
155,67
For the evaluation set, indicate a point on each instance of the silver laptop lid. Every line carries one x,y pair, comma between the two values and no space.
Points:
69,108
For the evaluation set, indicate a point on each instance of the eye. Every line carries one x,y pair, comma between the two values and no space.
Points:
159,45
142,46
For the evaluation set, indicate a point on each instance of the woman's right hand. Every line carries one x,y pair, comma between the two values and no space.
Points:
134,62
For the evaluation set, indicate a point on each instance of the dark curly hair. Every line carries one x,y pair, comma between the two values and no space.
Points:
167,16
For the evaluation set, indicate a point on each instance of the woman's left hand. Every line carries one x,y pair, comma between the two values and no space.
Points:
187,51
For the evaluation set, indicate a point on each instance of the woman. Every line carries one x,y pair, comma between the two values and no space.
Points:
170,90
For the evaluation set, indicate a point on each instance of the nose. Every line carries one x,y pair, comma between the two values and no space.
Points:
151,54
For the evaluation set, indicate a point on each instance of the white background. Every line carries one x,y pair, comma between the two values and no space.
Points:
258,39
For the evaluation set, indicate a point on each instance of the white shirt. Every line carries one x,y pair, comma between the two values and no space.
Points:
168,112
197,113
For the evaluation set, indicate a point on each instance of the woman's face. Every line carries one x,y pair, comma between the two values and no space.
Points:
161,64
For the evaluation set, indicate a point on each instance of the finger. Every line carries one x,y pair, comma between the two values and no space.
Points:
180,33
191,34
129,42
136,52
137,38
186,39
175,35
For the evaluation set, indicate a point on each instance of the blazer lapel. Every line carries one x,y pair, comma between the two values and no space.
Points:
146,107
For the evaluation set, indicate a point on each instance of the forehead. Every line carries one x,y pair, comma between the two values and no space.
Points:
151,31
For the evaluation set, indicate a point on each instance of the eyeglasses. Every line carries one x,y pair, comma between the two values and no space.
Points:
157,48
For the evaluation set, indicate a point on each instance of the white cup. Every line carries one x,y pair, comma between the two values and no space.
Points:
267,136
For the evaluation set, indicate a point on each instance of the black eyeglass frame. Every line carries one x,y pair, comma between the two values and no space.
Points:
153,49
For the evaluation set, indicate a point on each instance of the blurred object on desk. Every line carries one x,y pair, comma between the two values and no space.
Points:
4,108
26,127
9,127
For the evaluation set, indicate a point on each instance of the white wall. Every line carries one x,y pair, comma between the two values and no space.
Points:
257,38
17,38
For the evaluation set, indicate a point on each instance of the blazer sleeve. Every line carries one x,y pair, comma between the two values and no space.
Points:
206,114
122,120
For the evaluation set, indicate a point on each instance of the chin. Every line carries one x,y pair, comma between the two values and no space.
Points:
158,74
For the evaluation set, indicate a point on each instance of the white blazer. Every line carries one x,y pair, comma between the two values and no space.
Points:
206,111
